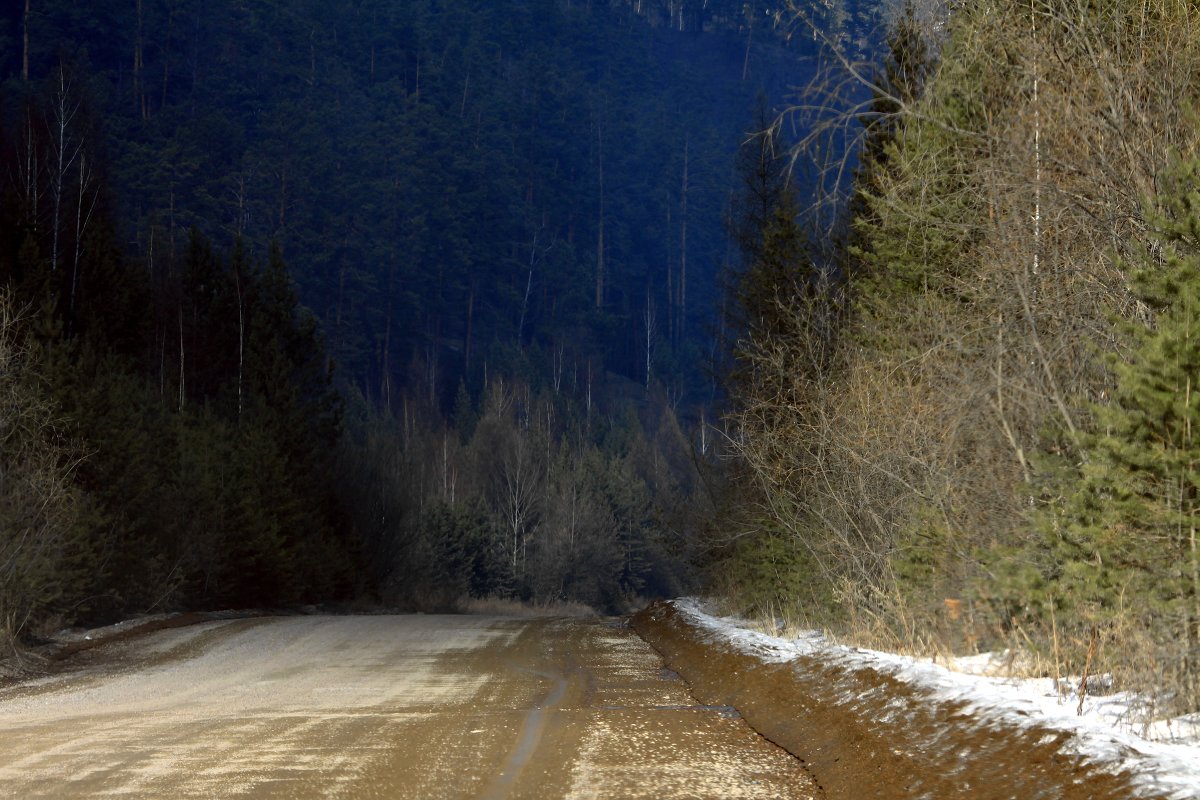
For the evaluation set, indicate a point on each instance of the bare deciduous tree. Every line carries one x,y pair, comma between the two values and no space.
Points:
40,542
1015,188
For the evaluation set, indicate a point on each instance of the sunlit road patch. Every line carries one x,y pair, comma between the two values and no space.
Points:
381,706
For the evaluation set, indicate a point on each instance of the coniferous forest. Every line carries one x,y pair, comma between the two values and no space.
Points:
878,316
390,302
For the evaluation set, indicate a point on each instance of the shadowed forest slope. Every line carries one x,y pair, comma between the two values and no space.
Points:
399,300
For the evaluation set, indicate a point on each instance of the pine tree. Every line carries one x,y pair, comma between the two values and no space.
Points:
762,184
291,383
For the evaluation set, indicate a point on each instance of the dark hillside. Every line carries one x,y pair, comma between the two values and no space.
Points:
454,184
404,300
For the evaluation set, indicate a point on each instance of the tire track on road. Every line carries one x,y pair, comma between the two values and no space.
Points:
527,742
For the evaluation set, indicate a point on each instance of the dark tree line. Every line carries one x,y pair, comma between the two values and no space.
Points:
528,493
506,219
192,406
178,400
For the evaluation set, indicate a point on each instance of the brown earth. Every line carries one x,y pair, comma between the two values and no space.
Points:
864,734
380,706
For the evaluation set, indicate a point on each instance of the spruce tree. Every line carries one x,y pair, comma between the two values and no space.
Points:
778,290
1127,538
464,417
898,85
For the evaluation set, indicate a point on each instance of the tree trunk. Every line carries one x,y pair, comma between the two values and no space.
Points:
600,225
64,115
683,221
181,370
138,94
25,42
29,168
237,283
81,223
649,335
528,289
470,321
746,59
671,310
166,82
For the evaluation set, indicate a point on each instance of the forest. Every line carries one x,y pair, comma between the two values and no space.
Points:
383,302
977,434
874,317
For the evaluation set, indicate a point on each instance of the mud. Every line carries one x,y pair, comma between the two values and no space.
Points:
381,706
863,734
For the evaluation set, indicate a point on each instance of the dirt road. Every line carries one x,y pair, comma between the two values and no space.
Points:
381,706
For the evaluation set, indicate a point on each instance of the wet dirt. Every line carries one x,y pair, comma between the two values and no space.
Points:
381,706
864,734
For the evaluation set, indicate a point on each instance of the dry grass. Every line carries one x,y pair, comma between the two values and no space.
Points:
504,607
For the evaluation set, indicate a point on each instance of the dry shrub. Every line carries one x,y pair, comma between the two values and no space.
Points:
42,558
909,460
1101,103
507,607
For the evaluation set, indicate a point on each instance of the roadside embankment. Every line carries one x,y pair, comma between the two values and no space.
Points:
34,660
865,734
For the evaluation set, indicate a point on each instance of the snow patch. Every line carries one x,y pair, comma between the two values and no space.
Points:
1164,755
69,635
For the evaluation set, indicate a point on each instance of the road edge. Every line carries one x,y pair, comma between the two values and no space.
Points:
864,734
38,660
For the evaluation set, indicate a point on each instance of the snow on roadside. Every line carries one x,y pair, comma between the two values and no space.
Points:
70,635
1165,757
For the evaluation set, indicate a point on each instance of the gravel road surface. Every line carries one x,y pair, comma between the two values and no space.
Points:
381,706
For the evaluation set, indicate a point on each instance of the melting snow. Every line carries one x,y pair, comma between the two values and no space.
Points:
1165,755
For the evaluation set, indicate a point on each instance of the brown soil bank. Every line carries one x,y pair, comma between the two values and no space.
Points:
865,734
